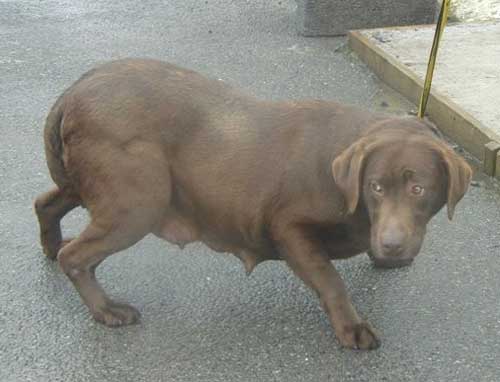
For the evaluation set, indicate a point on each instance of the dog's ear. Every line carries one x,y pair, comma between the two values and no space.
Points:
459,176
347,171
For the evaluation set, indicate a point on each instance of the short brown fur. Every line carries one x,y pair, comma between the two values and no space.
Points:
148,147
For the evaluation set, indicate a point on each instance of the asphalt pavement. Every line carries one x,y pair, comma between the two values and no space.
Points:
203,318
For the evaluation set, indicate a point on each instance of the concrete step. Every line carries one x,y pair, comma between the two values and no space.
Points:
465,94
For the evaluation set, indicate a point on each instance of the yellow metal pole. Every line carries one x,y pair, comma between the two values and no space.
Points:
441,23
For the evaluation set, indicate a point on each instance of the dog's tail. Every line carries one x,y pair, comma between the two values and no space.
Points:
53,144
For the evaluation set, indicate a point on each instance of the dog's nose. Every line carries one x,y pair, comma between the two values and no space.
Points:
392,247
392,242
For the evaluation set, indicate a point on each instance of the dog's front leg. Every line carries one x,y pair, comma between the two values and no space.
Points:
309,261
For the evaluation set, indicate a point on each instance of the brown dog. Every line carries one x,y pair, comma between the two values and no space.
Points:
148,147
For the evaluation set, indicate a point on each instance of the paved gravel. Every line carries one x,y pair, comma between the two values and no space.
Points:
203,319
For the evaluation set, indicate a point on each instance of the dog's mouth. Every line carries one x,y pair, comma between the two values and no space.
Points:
394,259
388,262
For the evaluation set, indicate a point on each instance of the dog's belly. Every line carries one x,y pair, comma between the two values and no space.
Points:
177,229
181,230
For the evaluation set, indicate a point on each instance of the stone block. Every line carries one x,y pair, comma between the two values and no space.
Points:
337,17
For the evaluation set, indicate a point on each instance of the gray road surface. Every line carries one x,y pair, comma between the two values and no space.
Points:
203,319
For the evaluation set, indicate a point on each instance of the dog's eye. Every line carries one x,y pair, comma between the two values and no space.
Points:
377,188
417,190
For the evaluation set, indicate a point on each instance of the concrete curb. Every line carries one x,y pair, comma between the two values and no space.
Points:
335,17
452,120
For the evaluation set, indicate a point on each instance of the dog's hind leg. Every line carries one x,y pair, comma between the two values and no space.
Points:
50,208
103,237
126,201
80,257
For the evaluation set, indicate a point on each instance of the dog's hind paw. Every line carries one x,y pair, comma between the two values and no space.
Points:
51,250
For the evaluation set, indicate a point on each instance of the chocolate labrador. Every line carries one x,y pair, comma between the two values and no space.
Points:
149,147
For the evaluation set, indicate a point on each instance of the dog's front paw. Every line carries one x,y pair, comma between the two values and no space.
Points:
114,314
360,336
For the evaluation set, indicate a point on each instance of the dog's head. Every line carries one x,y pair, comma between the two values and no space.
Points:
402,180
